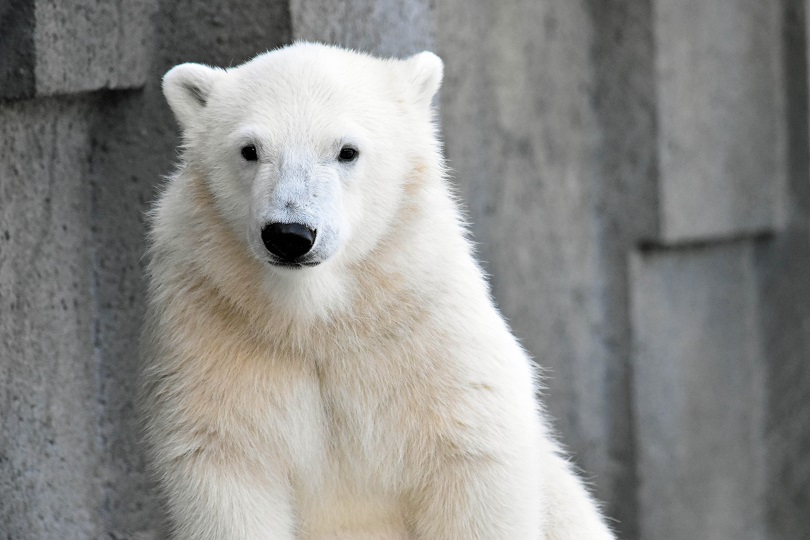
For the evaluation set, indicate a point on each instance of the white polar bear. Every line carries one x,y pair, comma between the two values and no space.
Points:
324,360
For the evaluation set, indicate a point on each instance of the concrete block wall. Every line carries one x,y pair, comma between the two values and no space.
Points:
63,47
718,73
49,451
744,189
636,174
699,392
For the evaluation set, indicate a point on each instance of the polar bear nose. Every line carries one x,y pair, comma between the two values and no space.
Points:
288,241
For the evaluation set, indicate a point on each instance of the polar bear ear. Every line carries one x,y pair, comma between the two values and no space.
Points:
187,88
425,71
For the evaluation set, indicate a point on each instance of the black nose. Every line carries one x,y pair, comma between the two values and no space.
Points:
288,241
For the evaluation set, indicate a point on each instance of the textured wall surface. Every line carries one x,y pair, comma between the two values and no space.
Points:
719,73
49,452
699,389
589,135
636,175
384,27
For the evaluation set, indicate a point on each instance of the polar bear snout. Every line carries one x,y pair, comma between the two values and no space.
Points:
288,242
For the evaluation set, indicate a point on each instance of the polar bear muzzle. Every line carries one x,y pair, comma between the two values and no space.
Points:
288,242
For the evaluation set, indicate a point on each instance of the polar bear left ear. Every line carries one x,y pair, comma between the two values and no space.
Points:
425,71
187,88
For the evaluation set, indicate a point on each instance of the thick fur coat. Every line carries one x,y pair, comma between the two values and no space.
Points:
367,390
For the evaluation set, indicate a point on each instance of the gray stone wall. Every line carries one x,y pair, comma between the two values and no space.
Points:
635,172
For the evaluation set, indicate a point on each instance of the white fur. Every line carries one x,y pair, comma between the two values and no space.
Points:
378,394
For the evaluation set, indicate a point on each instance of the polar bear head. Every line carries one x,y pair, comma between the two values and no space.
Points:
307,149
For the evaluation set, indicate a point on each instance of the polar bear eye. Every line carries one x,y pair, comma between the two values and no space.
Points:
249,153
347,153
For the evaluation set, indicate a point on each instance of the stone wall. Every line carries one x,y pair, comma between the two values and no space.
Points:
636,175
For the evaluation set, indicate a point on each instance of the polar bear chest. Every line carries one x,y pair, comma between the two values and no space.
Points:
343,440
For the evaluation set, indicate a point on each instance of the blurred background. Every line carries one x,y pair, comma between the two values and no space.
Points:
636,175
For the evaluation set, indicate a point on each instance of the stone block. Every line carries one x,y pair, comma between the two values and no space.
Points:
699,393
783,280
795,203
384,27
17,49
63,47
783,273
722,129
87,45
49,446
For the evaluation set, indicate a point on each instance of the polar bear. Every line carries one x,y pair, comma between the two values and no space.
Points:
323,358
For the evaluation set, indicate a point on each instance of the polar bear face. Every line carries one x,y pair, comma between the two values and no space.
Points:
306,149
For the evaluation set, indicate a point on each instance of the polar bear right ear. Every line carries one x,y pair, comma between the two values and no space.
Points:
425,71
187,88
